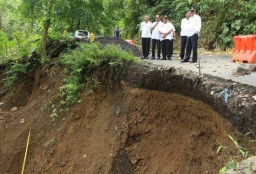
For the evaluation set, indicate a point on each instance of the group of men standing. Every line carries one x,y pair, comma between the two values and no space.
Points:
162,35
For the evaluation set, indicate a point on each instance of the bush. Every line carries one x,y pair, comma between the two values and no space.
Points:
82,64
14,72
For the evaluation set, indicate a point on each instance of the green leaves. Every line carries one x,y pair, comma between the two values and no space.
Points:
223,170
243,151
231,164
228,17
190,2
14,72
82,64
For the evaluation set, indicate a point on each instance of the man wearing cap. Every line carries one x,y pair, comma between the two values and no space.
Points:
193,33
156,37
183,34
166,31
145,28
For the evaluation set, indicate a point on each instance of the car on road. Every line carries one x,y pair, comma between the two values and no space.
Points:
82,35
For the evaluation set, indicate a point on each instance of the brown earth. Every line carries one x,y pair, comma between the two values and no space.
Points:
118,130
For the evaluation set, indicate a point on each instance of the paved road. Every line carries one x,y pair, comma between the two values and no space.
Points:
219,66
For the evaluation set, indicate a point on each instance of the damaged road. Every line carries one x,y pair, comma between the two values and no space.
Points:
217,66
233,100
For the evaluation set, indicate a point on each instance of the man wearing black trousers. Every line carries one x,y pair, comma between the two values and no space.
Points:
145,28
156,36
183,34
192,40
166,31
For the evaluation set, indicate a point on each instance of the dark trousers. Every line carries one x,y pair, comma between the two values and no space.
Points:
145,46
183,46
156,43
191,45
167,48
171,51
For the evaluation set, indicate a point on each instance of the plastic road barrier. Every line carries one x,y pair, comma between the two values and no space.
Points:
245,49
130,42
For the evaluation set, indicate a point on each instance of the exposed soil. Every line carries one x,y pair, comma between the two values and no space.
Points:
117,130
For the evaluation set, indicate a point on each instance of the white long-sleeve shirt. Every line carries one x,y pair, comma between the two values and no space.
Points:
155,34
184,27
194,25
145,28
165,27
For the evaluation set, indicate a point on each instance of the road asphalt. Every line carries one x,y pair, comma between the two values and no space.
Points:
215,65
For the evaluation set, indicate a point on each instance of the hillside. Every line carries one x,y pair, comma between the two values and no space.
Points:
118,128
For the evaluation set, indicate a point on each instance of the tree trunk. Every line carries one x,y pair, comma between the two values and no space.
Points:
32,18
45,30
78,24
0,22
44,38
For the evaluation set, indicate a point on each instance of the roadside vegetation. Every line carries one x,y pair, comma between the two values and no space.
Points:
13,72
83,66
221,19
26,25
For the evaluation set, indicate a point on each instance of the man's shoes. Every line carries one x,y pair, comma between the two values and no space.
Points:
152,58
192,61
169,58
183,61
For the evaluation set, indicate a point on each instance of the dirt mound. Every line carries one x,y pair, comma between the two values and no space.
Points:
123,130
123,44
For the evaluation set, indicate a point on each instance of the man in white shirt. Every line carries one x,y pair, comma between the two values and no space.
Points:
156,37
166,31
145,28
183,34
193,32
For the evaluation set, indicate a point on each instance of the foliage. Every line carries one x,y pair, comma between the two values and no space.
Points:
235,155
223,19
251,133
82,64
50,143
53,114
22,21
223,170
114,53
14,72
19,47
227,19
242,152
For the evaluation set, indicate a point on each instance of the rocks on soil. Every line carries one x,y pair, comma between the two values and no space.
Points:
252,68
243,70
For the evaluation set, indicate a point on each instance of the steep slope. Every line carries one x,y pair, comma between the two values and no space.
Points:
113,130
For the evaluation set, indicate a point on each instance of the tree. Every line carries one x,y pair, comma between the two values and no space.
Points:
47,23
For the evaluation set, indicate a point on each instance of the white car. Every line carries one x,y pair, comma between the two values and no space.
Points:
82,34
